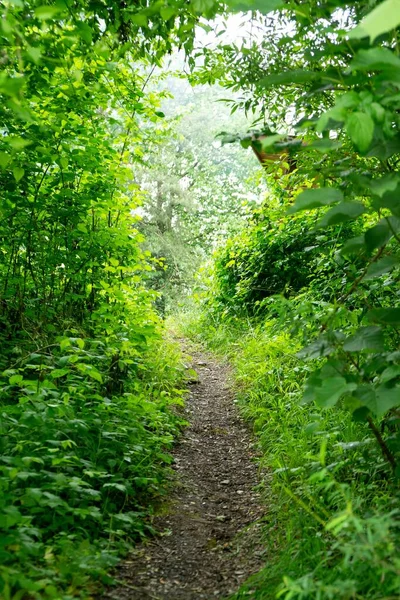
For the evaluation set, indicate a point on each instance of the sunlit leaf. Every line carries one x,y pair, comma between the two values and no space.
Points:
360,128
383,18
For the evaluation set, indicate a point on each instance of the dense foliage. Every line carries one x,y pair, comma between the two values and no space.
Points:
87,382
319,368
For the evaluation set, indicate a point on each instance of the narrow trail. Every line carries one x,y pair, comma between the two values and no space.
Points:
210,538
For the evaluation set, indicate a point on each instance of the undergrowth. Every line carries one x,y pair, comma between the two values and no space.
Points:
84,457
331,527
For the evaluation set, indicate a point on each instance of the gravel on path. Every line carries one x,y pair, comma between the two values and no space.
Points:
209,542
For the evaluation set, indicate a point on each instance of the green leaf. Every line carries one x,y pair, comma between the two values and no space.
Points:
390,373
18,173
65,343
353,246
384,265
375,58
167,12
85,32
377,236
386,316
90,371
385,17
366,338
34,54
366,396
46,12
4,159
360,129
17,143
287,78
387,398
390,200
56,373
116,486
263,6
387,183
345,211
12,86
322,346
331,391
315,198
267,141
140,19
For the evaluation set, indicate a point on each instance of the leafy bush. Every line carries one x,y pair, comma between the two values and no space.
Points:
80,462
276,254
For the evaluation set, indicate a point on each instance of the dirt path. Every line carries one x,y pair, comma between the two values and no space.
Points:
208,546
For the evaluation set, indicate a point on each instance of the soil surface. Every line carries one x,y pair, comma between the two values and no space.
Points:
209,531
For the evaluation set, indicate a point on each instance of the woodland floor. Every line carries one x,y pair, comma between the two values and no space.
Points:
209,531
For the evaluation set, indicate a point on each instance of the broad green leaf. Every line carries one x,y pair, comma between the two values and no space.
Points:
140,19
90,371
167,12
331,391
203,7
360,129
390,200
4,159
18,173
384,265
386,316
366,397
377,112
267,141
34,54
385,17
12,86
390,373
365,339
85,32
387,183
116,486
57,373
316,198
377,236
353,246
345,211
339,111
65,343
322,346
387,398
375,58
46,12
